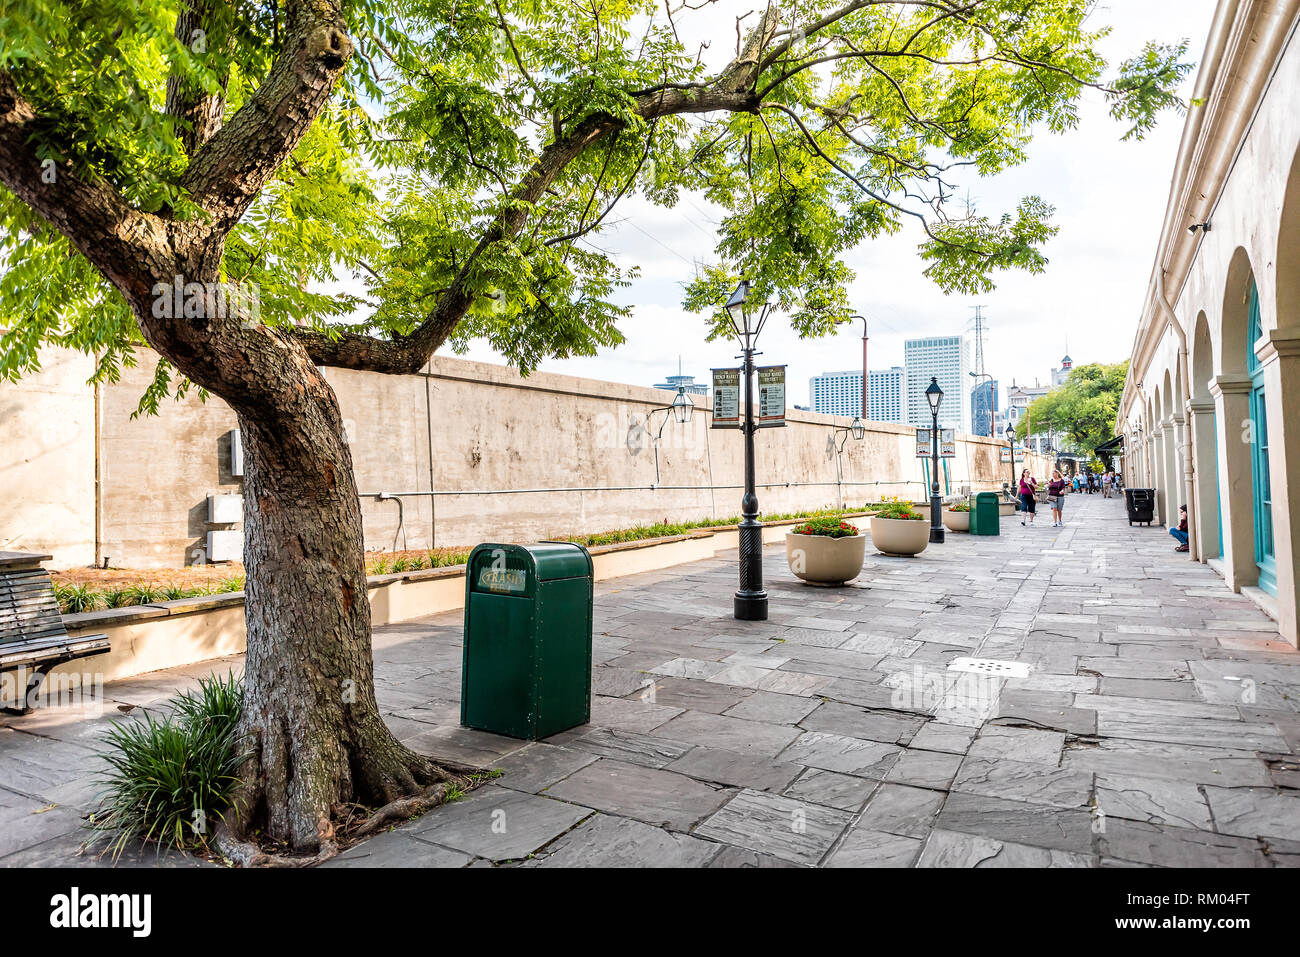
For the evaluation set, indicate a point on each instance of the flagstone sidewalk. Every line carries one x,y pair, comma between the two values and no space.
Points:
1124,709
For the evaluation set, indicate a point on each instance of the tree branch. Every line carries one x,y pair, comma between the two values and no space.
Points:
231,168
91,214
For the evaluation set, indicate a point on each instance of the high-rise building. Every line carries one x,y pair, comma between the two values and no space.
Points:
840,393
946,358
984,406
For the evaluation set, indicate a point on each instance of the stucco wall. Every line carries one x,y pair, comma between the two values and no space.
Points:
460,426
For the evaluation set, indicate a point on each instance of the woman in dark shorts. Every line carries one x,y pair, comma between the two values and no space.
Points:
1056,495
1027,489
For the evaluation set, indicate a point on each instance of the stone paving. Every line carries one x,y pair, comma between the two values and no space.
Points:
1156,724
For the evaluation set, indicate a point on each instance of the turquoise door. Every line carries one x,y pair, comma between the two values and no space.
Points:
1261,485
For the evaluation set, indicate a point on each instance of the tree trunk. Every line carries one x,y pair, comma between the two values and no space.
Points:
310,721
310,717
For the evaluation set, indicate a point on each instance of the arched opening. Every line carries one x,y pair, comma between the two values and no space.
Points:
1243,455
1203,430
1282,373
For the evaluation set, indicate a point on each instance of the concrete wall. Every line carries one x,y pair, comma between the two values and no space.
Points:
47,461
460,427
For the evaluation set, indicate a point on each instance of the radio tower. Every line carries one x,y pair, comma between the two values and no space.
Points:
980,326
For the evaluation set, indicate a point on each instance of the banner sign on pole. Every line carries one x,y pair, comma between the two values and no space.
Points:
1006,456
771,397
948,444
922,443
726,399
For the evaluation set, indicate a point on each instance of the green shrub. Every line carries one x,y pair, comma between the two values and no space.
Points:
75,599
170,780
233,583
401,563
826,527
177,592
116,597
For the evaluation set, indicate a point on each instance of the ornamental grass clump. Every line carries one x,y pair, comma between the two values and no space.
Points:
829,527
170,779
75,599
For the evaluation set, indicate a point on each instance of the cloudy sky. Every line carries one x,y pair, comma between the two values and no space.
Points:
1110,199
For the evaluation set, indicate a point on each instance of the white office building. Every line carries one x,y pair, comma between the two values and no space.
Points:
840,393
946,358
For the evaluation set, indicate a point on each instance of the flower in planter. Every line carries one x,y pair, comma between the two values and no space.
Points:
829,527
960,507
900,510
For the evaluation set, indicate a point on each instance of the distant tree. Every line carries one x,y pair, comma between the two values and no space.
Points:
1082,409
459,158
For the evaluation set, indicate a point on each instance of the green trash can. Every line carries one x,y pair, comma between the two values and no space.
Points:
527,662
984,514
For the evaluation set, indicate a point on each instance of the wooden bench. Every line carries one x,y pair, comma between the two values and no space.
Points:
32,636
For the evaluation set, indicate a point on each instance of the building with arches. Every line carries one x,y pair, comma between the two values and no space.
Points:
1210,413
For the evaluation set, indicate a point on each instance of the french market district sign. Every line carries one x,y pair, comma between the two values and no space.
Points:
771,396
726,399
947,443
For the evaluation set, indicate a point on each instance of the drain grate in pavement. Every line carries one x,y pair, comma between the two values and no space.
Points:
990,666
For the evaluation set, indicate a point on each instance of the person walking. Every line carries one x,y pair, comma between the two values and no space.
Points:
1056,497
1028,488
1078,481
1106,479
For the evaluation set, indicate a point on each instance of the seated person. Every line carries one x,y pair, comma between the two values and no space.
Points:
1180,532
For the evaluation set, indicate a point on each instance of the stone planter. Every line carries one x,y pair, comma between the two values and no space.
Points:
956,521
1006,508
899,536
822,560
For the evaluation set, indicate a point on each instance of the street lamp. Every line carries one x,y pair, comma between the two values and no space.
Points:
1011,447
679,411
934,395
750,603
858,429
866,409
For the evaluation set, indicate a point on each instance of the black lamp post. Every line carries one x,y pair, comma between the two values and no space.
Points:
750,603
934,395
1011,448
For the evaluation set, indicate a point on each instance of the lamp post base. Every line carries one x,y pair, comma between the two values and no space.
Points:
936,521
750,606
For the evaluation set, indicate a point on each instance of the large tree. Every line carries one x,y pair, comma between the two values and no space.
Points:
459,157
1082,410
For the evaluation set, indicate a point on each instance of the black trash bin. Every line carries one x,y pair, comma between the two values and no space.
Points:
1141,504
